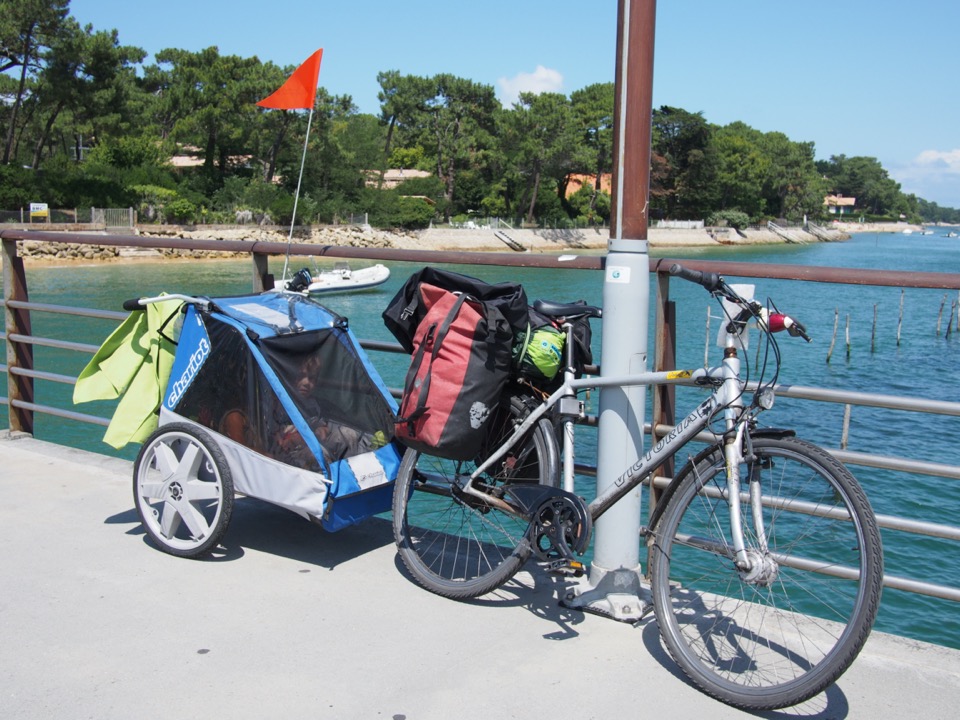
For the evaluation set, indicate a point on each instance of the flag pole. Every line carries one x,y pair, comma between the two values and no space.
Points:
296,197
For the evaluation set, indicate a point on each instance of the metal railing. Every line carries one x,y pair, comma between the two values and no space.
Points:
21,372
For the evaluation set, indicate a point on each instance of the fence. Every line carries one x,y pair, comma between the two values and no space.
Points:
114,218
680,224
107,218
21,372
54,216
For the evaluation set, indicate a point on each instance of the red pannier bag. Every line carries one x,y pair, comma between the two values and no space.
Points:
460,365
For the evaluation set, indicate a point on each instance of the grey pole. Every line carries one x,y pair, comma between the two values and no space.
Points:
614,585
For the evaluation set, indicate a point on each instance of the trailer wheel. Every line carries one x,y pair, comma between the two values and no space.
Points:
183,490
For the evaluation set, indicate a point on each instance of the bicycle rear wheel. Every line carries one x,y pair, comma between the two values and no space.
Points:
779,635
457,546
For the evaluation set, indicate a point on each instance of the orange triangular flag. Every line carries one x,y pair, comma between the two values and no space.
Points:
300,89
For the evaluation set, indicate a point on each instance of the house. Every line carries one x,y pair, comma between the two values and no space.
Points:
838,204
190,156
394,176
575,181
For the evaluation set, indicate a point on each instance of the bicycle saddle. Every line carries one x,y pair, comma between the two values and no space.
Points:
567,310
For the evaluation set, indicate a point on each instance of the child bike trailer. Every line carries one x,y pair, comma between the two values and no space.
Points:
269,396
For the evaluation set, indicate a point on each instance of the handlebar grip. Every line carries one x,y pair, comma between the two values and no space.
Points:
711,281
132,305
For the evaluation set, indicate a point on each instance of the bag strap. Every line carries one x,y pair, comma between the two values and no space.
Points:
526,343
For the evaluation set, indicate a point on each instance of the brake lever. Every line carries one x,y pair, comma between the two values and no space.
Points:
797,329
778,321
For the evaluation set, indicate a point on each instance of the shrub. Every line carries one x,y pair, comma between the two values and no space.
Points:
729,218
180,210
390,209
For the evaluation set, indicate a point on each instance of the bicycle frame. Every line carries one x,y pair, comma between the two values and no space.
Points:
726,396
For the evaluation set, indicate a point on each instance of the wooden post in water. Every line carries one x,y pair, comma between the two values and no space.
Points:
940,314
950,321
848,336
873,332
833,340
845,432
900,319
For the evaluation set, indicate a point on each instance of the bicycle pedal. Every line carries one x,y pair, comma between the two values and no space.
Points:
570,568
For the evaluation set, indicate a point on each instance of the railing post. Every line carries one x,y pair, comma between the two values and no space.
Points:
665,354
19,355
262,279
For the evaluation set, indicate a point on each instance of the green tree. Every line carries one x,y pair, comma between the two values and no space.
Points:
792,188
741,167
593,108
590,207
278,132
27,29
459,118
402,99
864,179
455,126
81,89
544,136
209,100
682,139
342,146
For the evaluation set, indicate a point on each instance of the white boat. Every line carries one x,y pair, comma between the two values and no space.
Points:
344,279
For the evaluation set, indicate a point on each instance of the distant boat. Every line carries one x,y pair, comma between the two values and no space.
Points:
344,279
951,234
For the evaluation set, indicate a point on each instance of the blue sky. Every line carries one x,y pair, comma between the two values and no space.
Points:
879,78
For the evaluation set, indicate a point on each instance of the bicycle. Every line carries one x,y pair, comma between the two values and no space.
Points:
764,594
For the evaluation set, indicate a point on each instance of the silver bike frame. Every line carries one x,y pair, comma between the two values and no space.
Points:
727,395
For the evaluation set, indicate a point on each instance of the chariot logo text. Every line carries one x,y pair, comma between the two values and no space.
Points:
196,360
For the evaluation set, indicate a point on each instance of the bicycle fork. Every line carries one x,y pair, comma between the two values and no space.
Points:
755,564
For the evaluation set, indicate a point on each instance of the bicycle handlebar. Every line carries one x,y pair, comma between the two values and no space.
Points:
711,281
774,322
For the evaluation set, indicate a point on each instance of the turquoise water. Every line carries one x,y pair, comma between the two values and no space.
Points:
924,364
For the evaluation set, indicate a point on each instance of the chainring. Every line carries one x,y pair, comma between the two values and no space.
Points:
560,526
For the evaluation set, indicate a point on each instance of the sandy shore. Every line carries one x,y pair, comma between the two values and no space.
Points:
471,240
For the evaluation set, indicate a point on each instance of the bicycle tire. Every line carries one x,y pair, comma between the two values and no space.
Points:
457,548
774,642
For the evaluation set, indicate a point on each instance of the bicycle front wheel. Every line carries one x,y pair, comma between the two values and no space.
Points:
785,630
458,546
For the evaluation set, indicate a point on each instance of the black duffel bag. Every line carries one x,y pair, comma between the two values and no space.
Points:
405,311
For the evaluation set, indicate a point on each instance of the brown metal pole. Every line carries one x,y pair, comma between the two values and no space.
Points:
633,108
19,355
614,588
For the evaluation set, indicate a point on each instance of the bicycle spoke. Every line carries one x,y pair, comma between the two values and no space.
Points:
783,630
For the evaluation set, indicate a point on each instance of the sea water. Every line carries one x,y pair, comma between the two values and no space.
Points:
894,354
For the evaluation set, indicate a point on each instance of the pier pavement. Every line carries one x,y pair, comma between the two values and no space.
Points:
289,621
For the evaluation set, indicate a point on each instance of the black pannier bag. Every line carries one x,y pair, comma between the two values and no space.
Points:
461,360
404,312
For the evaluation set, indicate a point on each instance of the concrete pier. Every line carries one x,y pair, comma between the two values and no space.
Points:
292,622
